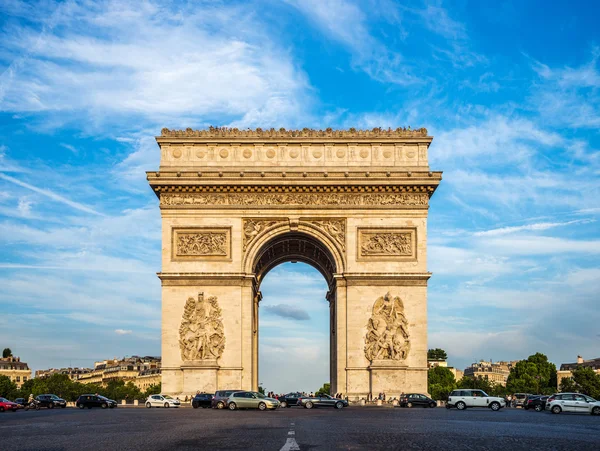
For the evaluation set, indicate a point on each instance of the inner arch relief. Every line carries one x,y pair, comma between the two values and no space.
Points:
352,204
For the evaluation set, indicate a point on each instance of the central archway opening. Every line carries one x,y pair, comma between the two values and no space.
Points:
295,291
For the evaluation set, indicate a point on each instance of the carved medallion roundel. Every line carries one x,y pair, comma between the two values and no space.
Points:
364,153
247,153
200,154
340,153
224,153
177,153
270,153
317,153
294,153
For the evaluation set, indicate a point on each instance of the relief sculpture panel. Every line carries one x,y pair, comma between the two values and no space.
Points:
201,243
201,334
335,228
254,227
387,330
387,244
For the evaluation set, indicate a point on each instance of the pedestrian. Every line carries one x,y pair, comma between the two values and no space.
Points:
186,399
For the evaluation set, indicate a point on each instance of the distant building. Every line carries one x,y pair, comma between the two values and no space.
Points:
566,369
73,373
17,371
128,369
432,363
496,372
147,378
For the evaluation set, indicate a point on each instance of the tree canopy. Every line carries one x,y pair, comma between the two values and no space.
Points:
324,390
437,354
6,353
440,382
534,375
584,380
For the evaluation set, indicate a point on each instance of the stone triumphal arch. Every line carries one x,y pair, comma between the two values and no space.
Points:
353,204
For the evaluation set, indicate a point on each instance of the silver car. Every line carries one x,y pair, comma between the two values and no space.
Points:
309,402
250,400
162,401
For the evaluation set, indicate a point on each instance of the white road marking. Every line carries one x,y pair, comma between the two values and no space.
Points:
291,433
291,444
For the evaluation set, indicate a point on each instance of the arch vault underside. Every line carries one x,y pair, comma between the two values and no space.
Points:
353,204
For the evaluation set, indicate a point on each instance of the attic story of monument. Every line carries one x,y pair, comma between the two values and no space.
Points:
351,203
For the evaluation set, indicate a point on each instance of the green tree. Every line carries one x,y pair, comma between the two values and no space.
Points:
8,389
437,354
584,380
261,389
6,353
440,382
490,387
324,390
534,375
152,390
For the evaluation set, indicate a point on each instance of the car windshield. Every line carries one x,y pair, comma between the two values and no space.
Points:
589,398
54,397
103,397
166,397
325,396
3,400
260,395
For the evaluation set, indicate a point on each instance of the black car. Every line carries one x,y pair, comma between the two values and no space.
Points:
289,400
537,403
416,400
90,401
203,400
51,401
21,401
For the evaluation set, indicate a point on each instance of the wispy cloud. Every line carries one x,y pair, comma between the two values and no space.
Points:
536,226
123,332
287,311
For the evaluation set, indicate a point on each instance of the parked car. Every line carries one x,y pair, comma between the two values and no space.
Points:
463,398
203,400
309,402
220,399
290,399
21,402
5,404
518,399
572,402
51,401
90,401
416,400
162,401
250,400
537,403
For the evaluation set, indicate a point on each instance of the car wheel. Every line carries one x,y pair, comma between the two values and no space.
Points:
89,407
596,411
148,405
81,406
538,408
104,405
339,405
448,406
195,405
432,405
461,405
262,406
283,404
409,404
495,406
51,406
232,406
14,409
308,405
1,409
166,405
556,409
220,405
204,407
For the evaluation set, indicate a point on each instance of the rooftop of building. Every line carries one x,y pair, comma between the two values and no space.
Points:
13,363
591,363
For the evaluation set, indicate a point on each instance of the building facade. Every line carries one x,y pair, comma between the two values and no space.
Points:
13,368
566,369
496,372
432,363
73,373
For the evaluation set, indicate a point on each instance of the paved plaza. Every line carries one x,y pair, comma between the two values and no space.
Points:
353,428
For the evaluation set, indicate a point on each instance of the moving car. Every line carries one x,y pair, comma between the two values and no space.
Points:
162,401
5,404
463,398
203,400
90,401
416,400
290,399
250,400
220,399
51,401
537,403
572,402
21,401
309,402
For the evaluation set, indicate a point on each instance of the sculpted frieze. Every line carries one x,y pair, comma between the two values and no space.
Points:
387,243
201,242
254,227
293,199
335,228
387,330
201,333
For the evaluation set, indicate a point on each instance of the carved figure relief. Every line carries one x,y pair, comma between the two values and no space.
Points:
253,228
201,334
387,330
225,132
201,243
292,199
386,243
335,228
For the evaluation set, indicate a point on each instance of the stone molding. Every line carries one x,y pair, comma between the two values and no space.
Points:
226,132
201,243
383,243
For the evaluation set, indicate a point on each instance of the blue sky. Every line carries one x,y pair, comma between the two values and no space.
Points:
509,90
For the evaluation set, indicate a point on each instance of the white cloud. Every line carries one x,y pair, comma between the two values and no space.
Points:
533,227
122,332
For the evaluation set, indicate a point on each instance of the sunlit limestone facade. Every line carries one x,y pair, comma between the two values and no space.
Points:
353,204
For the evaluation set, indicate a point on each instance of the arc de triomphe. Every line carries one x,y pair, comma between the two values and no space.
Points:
353,204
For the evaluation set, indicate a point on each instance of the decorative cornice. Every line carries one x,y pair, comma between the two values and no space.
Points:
225,132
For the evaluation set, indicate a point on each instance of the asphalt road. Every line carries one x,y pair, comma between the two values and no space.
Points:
353,428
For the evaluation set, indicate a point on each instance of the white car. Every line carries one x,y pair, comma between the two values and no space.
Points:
463,398
162,401
572,402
